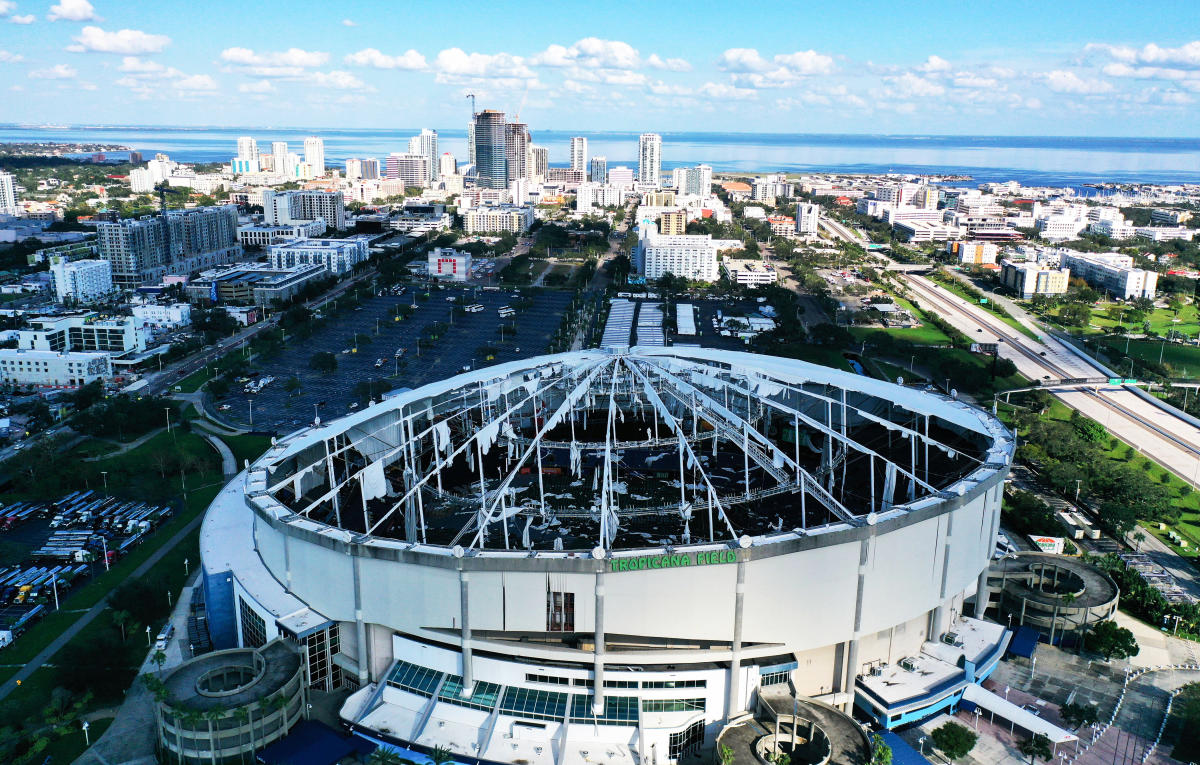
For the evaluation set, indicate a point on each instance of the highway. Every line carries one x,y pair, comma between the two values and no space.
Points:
1155,432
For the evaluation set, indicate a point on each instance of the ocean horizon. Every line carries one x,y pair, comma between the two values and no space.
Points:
1031,160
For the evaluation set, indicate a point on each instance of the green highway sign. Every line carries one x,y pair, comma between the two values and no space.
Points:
674,561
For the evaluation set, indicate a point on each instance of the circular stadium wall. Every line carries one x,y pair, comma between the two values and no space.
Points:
599,556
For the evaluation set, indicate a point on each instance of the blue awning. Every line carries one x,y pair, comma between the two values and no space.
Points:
902,752
1024,642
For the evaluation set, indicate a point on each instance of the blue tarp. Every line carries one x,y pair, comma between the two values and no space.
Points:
312,743
902,752
1024,642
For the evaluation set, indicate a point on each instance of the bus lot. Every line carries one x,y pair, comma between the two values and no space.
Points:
331,395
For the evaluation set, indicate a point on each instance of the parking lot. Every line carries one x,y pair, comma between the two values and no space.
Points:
332,394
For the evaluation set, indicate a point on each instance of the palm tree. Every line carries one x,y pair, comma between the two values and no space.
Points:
159,658
242,715
383,756
212,716
441,755
122,619
1138,537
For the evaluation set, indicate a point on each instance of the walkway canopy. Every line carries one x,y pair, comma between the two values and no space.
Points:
1022,718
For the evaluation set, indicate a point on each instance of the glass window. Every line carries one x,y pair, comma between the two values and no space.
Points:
483,695
774,678
422,681
672,705
618,710
560,611
534,704
687,741
533,677
674,683
254,630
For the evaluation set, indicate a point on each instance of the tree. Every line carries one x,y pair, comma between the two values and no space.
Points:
1036,748
122,619
1113,641
1138,537
881,753
292,385
441,755
1079,715
954,740
726,755
159,658
323,361
382,756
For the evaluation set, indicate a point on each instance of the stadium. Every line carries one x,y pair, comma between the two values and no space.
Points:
606,556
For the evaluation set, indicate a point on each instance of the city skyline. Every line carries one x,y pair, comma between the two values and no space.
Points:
853,70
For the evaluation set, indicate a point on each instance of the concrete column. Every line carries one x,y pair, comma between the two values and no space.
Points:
864,555
981,594
468,673
360,629
851,674
735,666
598,666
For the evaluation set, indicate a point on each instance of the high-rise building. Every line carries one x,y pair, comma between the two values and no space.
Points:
693,180
516,143
579,153
410,168
247,149
143,251
353,169
447,165
8,194
314,155
491,155
284,208
426,144
621,176
362,169
650,159
279,156
471,142
808,216
598,172
539,166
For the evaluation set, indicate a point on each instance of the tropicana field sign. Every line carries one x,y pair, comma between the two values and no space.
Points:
674,561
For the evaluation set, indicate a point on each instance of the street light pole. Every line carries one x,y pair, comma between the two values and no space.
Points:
104,547
167,409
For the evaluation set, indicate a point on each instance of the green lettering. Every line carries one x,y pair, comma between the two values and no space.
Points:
730,556
685,560
643,563
701,558
616,565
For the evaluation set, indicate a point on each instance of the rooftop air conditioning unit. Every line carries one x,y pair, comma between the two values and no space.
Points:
909,664
951,638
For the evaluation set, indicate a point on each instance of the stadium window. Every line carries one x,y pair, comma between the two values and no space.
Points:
560,611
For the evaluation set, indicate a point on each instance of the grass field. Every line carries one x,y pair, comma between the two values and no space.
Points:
954,285
1162,320
1183,360
925,334
247,447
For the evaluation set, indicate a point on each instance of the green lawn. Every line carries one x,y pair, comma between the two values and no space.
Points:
192,382
1183,360
1162,320
247,447
93,447
925,334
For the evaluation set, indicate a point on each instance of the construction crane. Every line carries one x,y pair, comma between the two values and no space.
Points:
163,188
472,97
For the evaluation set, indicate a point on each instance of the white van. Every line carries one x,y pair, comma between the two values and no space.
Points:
164,637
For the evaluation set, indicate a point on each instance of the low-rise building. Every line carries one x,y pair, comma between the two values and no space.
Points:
1111,272
163,316
1170,217
692,256
338,256
484,220
53,369
1029,279
118,335
71,251
781,225
420,218
973,253
1165,233
673,223
265,234
253,284
926,230
447,263
749,272
1119,229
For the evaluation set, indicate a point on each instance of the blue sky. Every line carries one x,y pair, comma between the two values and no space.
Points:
1045,68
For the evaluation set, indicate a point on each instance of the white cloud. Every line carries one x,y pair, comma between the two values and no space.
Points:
196,82
669,64
806,62
1066,81
727,92
7,7
10,58
608,76
140,65
750,68
56,72
1001,72
349,23
660,88
337,79
934,65
88,86
457,62
73,10
743,60
126,41
1186,56
26,19
591,52
372,57
968,80
292,57
262,86
909,85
